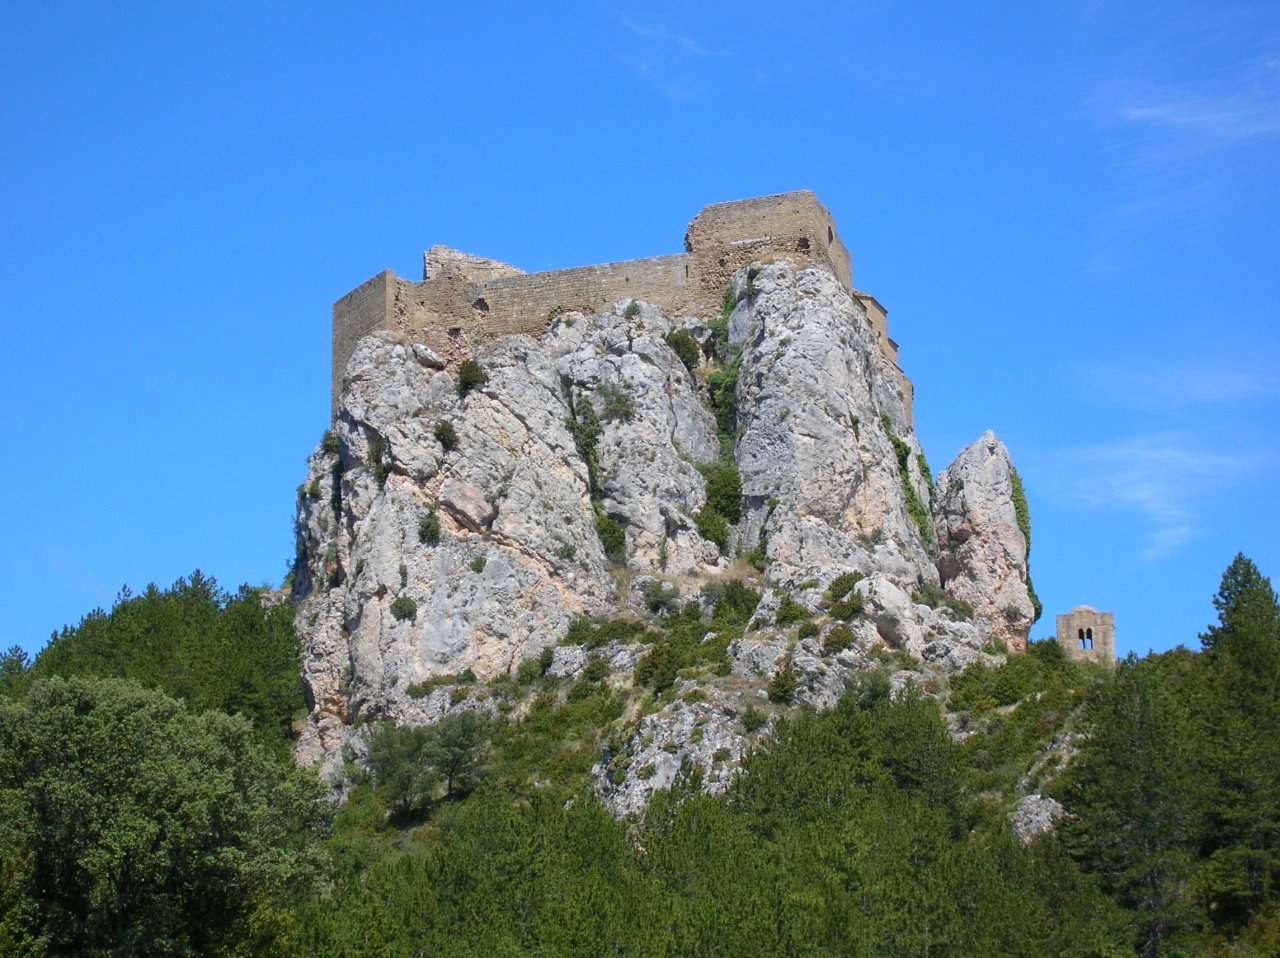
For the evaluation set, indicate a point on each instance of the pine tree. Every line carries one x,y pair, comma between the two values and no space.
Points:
1241,713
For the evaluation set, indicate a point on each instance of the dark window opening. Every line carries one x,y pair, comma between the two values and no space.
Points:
802,244
480,305
831,235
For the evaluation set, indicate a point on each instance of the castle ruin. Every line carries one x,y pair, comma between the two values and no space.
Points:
1087,634
464,300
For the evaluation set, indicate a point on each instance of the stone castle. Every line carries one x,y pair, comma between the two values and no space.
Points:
464,300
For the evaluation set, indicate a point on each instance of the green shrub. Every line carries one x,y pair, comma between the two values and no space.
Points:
528,672
446,435
938,598
723,384
753,719
841,599
685,347
404,607
329,443
429,528
582,631
808,630
724,488
712,527
790,612
313,490
617,403
420,690
782,687
612,536
733,601
471,375
661,598
837,639
596,670
632,310
477,564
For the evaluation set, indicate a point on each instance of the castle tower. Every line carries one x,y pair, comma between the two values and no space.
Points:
1088,635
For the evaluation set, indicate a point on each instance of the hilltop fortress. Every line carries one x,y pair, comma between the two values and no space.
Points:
464,300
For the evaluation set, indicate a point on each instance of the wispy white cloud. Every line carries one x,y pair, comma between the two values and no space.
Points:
1165,478
1211,120
1185,145
671,62
680,40
1177,386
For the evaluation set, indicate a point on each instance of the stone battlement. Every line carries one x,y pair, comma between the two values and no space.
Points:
463,299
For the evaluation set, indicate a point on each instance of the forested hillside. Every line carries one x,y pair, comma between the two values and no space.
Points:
134,824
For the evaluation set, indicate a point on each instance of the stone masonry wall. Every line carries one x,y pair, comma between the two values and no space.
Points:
1085,633
464,299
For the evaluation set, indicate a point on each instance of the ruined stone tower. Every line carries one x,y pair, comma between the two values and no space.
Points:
1087,634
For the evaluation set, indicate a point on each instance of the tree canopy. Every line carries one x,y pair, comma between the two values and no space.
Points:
130,826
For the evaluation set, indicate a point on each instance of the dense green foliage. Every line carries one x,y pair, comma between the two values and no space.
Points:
724,488
132,827
1177,792
194,642
917,510
1024,523
851,833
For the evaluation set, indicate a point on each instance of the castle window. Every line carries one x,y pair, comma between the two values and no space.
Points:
1080,638
480,305
802,244
831,235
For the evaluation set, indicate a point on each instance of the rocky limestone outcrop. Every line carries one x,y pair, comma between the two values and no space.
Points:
440,532
1036,815
821,481
982,555
420,556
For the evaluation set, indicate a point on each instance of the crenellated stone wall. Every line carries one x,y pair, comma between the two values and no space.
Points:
465,299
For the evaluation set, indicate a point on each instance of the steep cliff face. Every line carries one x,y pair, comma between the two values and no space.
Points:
441,532
982,551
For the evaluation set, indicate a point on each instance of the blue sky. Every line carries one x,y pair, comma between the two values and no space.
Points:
1069,209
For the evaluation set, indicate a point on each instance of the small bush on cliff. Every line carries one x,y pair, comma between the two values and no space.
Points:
782,687
790,612
471,375
429,528
446,435
612,536
404,607
685,347
1023,514
916,509
617,403
841,599
724,488
938,598
712,527
632,310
